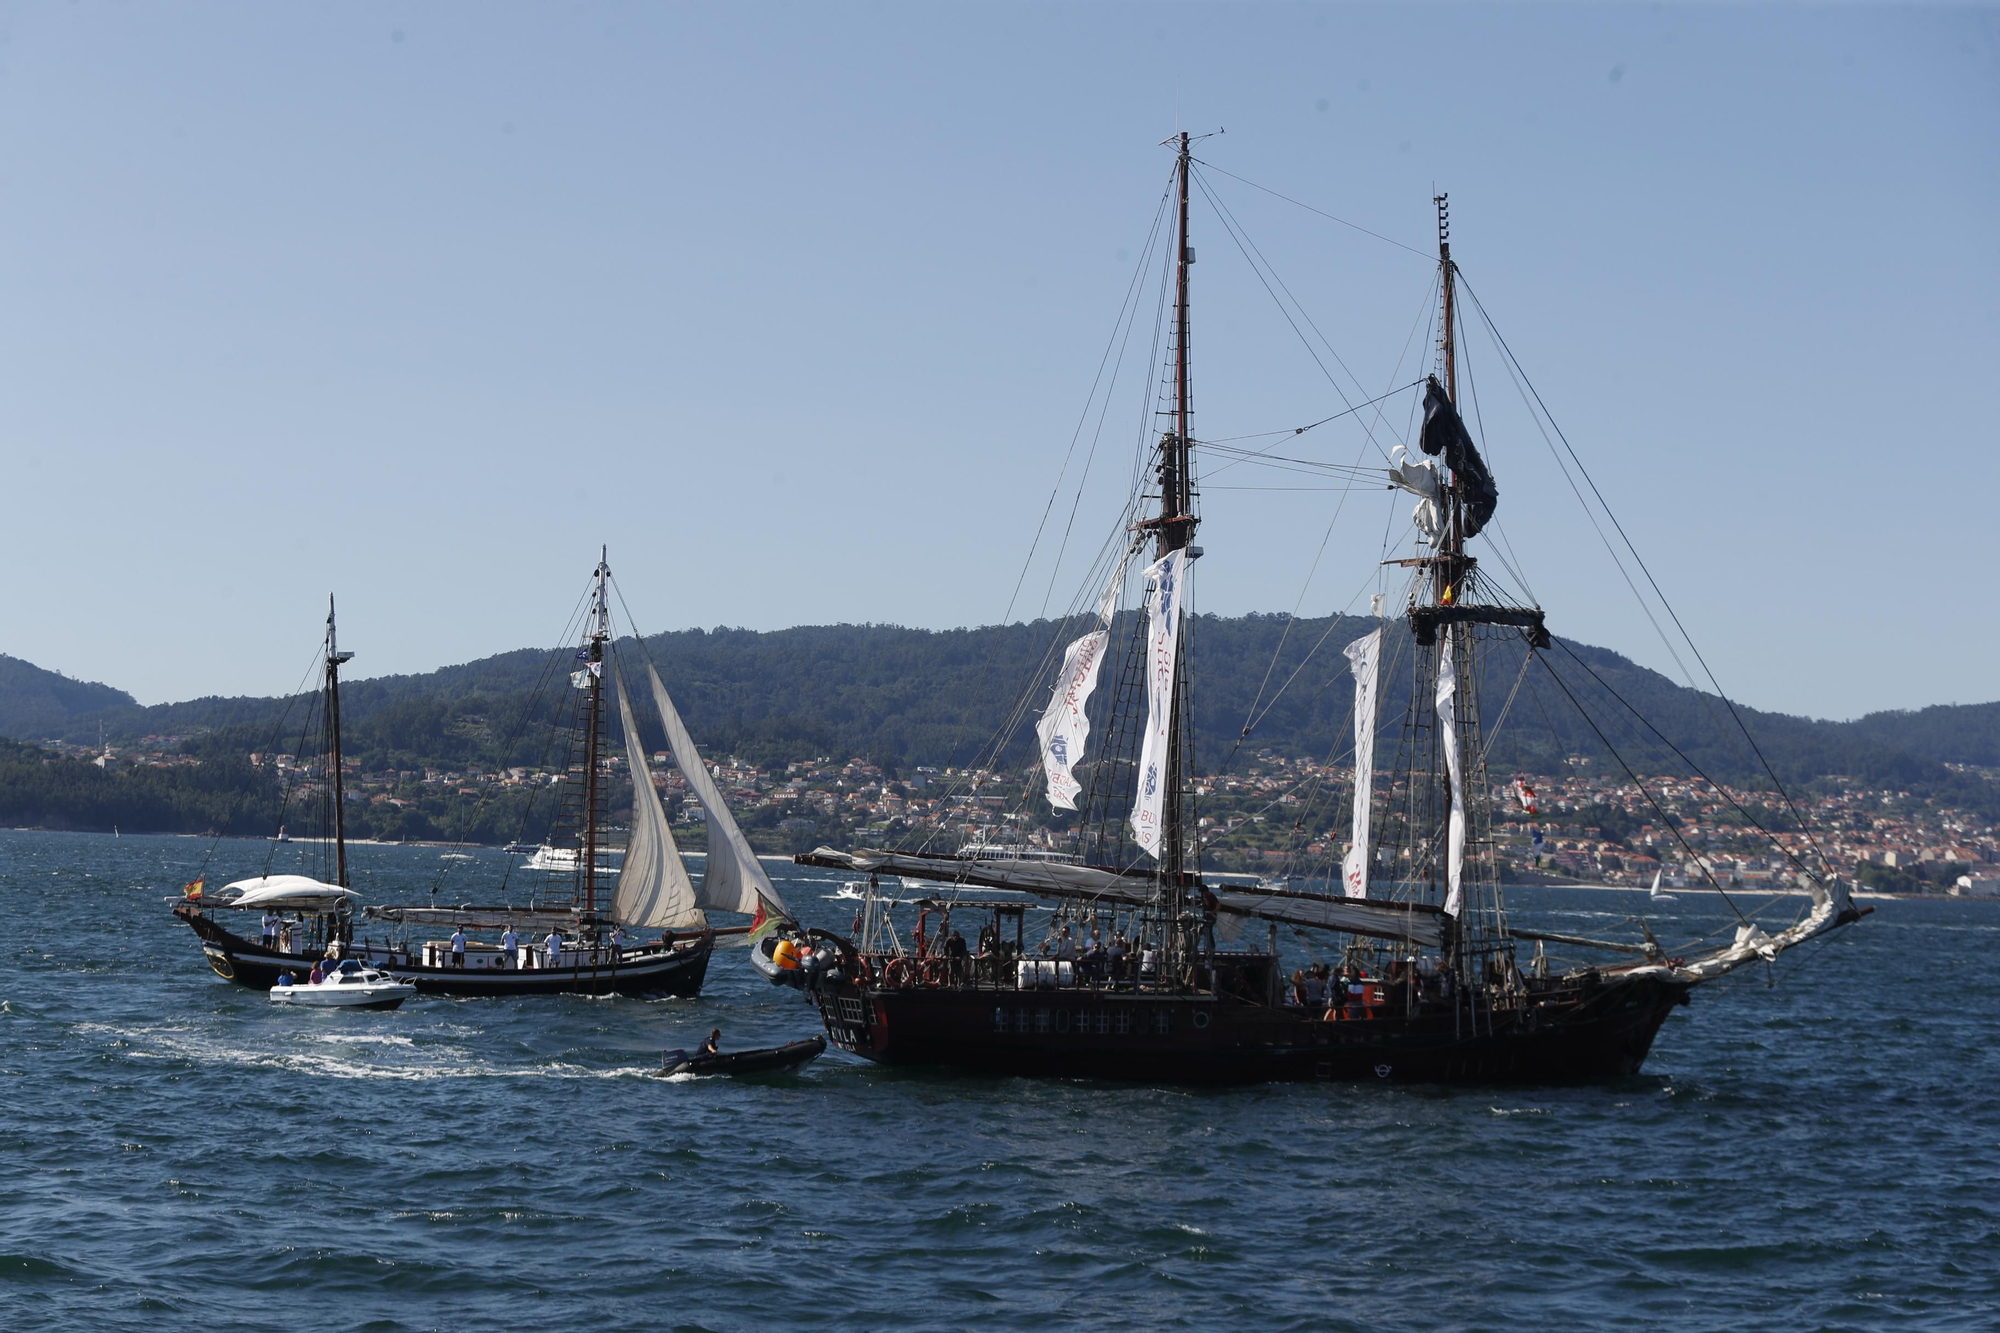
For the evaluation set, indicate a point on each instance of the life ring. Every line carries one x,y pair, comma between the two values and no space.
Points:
896,973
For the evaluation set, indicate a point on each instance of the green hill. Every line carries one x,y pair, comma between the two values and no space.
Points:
903,697
34,702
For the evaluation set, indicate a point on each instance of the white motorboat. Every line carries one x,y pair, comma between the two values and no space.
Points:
348,986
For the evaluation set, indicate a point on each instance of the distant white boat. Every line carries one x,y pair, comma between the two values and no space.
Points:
1656,895
565,858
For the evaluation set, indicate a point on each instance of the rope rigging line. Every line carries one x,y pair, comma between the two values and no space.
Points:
1259,266
1127,311
1692,765
1591,722
1421,254
521,719
1250,455
1804,826
278,729
1253,718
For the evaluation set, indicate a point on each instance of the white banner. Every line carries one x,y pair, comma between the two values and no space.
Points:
1168,577
1064,726
1447,716
1364,657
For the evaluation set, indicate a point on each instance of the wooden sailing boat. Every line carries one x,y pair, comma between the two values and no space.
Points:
581,930
301,915
1429,987
587,935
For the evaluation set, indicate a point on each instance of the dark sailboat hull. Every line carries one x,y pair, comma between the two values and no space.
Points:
637,972
1602,1033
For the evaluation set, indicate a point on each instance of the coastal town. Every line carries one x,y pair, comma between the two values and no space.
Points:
1590,823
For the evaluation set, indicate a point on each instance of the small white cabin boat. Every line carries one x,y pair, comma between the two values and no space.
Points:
348,986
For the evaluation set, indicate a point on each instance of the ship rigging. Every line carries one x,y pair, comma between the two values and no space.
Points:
1430,986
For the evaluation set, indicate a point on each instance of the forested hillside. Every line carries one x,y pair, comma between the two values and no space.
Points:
901,698
34,702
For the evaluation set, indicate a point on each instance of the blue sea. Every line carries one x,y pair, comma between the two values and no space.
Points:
1821,1153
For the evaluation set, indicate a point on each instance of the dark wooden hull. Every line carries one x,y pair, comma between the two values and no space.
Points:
1602,1031
637,972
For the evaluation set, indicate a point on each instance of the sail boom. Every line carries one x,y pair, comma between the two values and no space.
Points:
1415,923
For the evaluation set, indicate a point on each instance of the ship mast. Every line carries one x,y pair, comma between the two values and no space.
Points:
600,631
334,657
1451,561
1176,526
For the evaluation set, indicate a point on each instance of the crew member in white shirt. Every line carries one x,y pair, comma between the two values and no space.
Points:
554,946
510,943
458,947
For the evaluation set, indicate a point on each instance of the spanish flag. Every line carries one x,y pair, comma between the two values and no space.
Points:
193,890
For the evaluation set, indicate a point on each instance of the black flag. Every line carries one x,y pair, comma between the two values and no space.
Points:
1445,434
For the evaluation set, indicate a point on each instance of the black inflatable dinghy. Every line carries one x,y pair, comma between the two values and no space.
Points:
770,1059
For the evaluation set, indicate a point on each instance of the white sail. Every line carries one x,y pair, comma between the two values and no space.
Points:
1169,579
1364,656
1065,727
1421,480
653,890
734,880
1447,716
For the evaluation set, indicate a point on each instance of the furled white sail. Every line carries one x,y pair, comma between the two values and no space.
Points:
1169,579
1364,656
1065,727
1447,717
653,890
734,880
287,891
1421,480
1414,924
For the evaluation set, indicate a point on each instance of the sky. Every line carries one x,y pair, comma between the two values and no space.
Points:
797,308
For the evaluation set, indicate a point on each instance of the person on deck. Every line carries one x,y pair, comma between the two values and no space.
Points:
1209,907
1065,947
713,1046
955,954
554,947
1094,956
510,945
1114,956
458,947
270,930
617,941
1299,986
284,936
1312,989
318,974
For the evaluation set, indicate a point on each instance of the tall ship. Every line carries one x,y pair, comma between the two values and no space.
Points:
1124,959
573,927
